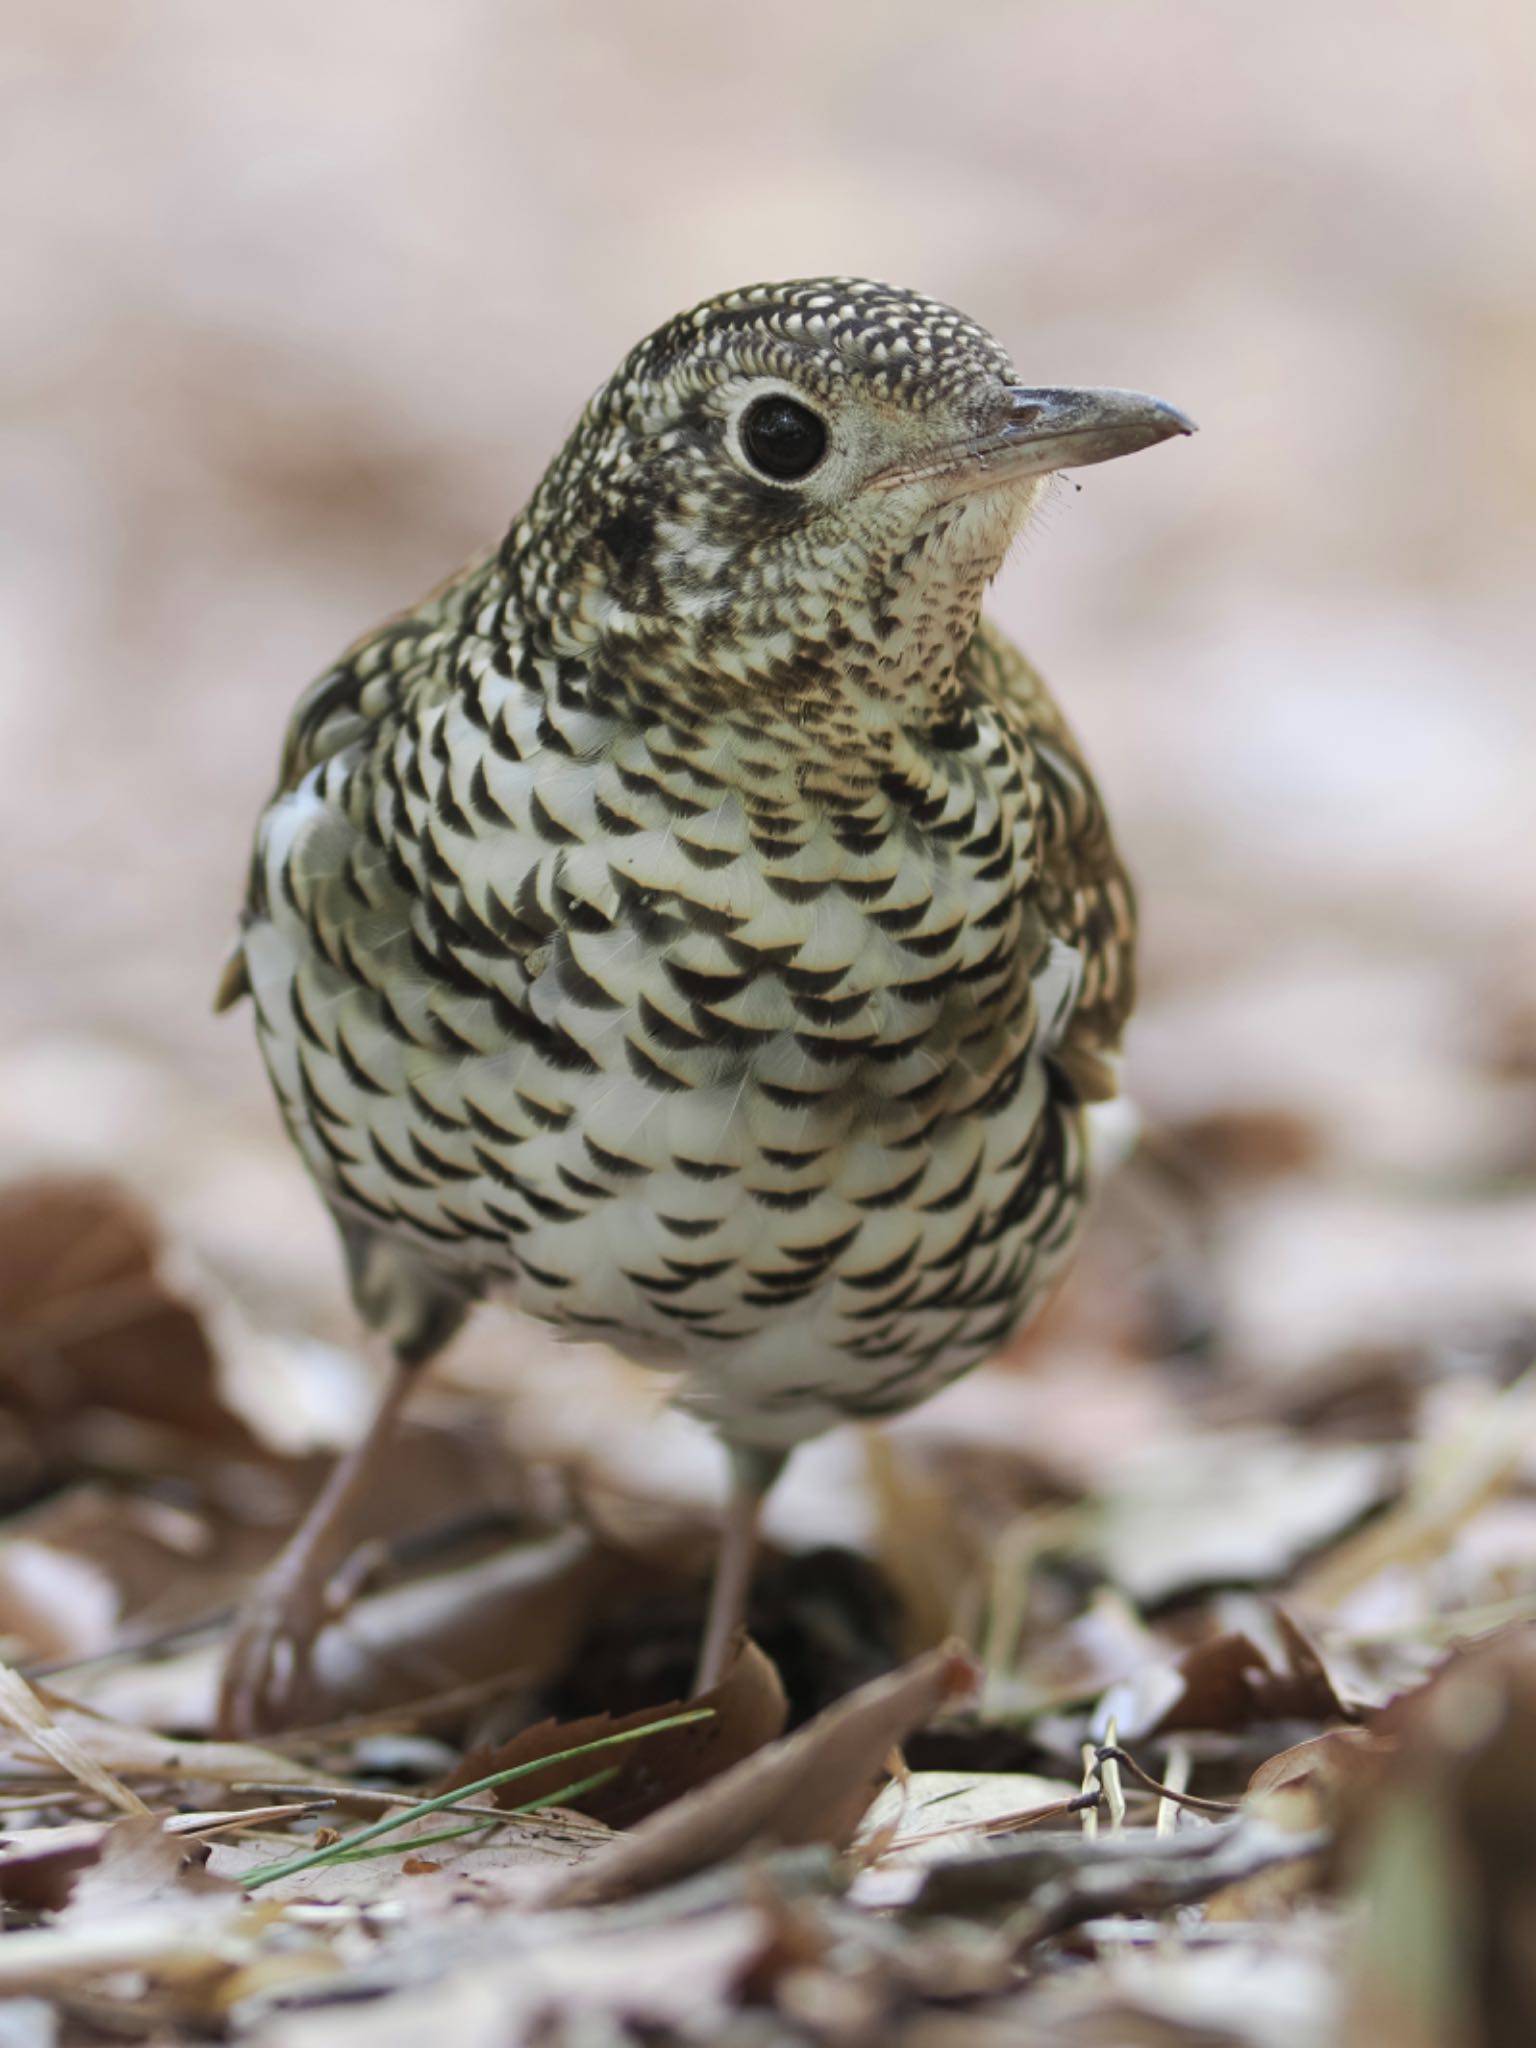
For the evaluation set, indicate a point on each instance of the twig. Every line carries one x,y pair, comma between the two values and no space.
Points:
1176,1780
1108,1761
1110,1752
1092,1782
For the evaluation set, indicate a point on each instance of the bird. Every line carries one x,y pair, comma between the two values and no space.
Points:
694,920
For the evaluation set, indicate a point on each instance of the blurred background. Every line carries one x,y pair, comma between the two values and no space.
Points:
301,299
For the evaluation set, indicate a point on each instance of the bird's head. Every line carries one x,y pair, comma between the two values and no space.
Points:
802,489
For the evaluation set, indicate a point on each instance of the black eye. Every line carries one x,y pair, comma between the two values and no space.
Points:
783,438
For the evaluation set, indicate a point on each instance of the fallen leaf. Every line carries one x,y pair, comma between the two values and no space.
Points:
182,1936
28,2023
812,1786
89,1323
1302,1790
568,1980
937,1816
1065,1879
931,1814
1231,1508
747,1710
139,1863
1229,1681
38,1866
130,1752
1323,1766
1060,1661
522,1612
1277,1994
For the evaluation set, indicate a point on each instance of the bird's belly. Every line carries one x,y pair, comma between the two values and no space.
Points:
797,1263
879,1276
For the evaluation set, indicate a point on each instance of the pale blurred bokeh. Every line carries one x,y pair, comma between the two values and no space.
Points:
299,299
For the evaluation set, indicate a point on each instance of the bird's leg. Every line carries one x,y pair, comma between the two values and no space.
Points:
268,1659
753,1471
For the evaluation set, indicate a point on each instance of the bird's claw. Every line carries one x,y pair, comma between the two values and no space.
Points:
267,1669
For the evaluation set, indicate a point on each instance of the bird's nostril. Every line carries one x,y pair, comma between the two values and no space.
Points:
1024,414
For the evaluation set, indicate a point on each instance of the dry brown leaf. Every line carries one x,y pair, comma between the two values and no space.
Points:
747,1710
139,1863
1228,1682
1301,1790
521,1612
812,1786
38,1866
130,1752
24,1712
1324,1767
89,1324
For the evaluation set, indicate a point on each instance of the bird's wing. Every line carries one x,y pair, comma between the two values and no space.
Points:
1085,896
388,672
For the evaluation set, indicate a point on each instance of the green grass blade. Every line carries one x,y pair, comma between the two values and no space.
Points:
268,1873
484,1824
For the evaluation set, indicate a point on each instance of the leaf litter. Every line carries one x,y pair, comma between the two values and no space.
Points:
1191,1742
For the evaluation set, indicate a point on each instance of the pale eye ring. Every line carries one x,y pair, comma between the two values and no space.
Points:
782,438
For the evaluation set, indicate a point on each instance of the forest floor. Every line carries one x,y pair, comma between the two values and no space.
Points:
1169,1681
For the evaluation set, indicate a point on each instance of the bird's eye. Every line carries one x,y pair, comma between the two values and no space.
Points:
783,438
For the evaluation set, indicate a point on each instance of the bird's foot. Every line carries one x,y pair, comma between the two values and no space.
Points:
267,1681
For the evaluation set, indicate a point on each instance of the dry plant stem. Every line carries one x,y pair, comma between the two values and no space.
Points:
22,1710
1107,1761
266,1663
1110,1752
752,1473
1176,1778
1092,1783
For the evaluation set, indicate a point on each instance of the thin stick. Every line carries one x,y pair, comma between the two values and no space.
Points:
1092,1782
1111,1752
1177,1779
1109,1778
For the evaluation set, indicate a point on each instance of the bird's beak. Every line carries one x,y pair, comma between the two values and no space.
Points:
1031,432
1049,429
